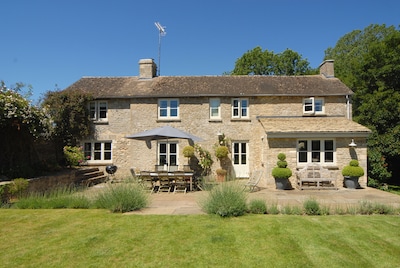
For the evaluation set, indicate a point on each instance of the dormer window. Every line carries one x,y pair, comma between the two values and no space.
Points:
313,106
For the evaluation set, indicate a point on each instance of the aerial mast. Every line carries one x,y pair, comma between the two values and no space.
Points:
161,32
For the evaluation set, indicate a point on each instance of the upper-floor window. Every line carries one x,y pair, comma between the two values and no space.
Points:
240,108
98,110
98,151
168,108
313,106
215,108
318,151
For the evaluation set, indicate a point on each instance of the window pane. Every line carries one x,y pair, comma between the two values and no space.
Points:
97,156
236,159
92,110
214,107
163,108
329,145
97,146
174,104
88,150
243,147
103,110
315,145
303,157
174,112
163,159
308,105
302,145
107,146
163,148
172,160
316,156
243,159
172,148
107,156
329,157
318,105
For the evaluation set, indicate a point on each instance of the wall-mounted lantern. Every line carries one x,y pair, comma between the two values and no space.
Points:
352,144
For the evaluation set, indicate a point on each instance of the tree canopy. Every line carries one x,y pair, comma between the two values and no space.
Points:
368,61
70,116
21,123
259,62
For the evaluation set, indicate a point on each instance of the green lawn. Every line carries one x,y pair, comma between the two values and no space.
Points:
98,238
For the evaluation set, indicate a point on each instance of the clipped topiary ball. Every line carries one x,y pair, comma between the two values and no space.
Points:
282,164
281,156
354,163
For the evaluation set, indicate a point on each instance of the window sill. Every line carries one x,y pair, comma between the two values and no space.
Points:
169,120
98,162
215,120
315,115
327,166
97,122
240,120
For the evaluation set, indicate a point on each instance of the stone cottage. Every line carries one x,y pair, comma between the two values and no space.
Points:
306,117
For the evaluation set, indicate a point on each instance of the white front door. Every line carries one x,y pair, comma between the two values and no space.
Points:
240,159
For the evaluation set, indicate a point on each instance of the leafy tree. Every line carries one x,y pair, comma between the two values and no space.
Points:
21,124
368,61
259,62
70,116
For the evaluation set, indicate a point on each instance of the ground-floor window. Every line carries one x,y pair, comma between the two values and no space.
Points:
168,153
97,151
315,150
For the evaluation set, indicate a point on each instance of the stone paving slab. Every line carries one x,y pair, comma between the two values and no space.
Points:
187,204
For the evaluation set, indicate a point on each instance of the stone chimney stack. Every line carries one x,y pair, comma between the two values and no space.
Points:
147,69
326,68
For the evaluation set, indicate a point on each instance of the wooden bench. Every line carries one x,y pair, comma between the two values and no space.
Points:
314,176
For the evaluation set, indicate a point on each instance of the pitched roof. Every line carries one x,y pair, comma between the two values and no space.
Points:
312,127
195,86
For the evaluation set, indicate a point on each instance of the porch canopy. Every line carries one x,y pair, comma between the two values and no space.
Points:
310,127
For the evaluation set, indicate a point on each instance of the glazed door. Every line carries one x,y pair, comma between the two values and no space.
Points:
240,157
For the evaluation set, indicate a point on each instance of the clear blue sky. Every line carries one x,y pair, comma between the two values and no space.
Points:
46,43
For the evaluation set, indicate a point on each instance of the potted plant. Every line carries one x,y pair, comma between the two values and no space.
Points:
351,173
221,174
221,151
188,151
282,173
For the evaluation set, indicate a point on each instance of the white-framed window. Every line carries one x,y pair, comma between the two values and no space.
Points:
168,109
316,150
98,110
167,153
313,105
215,108
240,108
98,151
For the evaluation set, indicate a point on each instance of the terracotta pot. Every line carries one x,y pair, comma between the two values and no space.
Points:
221,177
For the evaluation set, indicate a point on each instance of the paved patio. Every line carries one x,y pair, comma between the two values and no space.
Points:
185,204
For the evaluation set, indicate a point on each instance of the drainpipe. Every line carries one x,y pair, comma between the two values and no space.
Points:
348,106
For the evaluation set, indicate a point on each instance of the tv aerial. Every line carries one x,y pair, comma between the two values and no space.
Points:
161,32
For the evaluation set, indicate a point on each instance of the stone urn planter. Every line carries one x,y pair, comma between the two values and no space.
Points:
351,173
282,184
282,173
351,182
